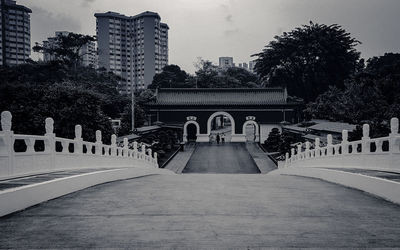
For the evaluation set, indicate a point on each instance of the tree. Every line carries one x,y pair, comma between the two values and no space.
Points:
274,140
66,48
210,76
66,103
171,77
141,98
308,59
371,96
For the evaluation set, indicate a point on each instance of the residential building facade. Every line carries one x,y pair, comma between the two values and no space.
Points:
15,34
133,47
87,52
226,62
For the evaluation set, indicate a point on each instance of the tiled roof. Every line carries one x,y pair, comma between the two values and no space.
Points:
333,126
264,96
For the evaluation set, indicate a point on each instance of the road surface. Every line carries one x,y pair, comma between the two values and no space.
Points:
221,158
207,211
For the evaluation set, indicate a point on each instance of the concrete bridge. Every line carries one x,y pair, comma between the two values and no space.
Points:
141,206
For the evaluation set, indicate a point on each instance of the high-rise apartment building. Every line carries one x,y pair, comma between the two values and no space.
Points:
15,33
87,52
133,47
226,62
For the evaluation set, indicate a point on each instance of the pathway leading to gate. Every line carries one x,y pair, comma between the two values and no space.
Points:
207,211
221,158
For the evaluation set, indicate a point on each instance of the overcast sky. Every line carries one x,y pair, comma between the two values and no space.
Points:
237,28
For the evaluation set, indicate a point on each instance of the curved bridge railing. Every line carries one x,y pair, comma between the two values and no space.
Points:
40,153
376,154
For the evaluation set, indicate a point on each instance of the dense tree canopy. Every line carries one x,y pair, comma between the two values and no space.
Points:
66,48
372,96
35,91
171,77
308,59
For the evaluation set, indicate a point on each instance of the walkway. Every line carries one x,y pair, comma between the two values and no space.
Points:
178,163
221,158
207,211
263,162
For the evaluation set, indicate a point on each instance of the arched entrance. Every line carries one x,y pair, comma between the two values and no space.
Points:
251,130
221,123
191,130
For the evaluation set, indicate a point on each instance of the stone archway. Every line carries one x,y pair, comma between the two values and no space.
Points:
221,113
257,129
185,134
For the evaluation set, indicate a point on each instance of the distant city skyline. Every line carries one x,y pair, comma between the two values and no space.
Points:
212,29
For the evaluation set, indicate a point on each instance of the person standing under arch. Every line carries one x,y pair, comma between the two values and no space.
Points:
218,138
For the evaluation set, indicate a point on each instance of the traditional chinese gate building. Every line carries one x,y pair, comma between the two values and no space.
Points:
266,108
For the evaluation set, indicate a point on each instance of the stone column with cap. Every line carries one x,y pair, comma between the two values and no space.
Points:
7,144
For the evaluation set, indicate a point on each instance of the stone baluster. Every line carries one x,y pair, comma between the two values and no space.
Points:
50,141
143,153
135,150
329,146
126,147
78,145
308,145
317,147
99,143
155,159
393,136
150,154
286,159
299,151
365,140
292,155
113,145
7,142
345,142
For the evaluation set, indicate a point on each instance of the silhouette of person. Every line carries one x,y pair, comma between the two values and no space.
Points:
218,138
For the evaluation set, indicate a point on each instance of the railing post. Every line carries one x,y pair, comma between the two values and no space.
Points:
299,151
126,148
7,145
150,153
155,159
317,147
135,150
50,142
329,148
286,159
345,142
99,143
113,145
143,153
78,148
365,143
308,149
393,136
292,155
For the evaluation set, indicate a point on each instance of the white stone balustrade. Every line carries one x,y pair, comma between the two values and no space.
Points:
49,153
376,154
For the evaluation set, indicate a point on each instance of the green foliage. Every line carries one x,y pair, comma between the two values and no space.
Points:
35,91
372,96
308,59
66,48
207,76
141,98
274,140
210,76
171,77
66,103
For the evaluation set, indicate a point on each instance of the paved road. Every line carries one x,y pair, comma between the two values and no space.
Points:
221,158
207,211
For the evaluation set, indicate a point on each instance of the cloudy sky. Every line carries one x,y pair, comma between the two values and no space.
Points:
237,28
